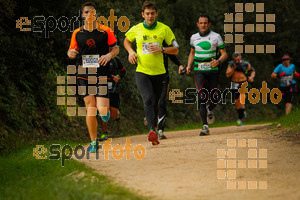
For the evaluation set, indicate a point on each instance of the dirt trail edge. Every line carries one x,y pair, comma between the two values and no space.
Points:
186,166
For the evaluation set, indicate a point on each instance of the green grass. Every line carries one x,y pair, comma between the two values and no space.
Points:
22,176
291,121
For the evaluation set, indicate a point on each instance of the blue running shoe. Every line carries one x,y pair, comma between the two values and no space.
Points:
105,118
239,122
94,147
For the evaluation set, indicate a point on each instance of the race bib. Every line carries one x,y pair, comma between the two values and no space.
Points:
146,45
109,85
90,61
287,80
204,66
234,85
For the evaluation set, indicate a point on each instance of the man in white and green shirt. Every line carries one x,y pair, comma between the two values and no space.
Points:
150,71
203,58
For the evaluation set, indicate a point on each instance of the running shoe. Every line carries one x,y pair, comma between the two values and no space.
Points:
161,135
152,137
204,131
94,147
239,122
104,137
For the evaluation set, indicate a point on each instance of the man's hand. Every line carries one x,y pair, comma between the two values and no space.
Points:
132,57
282,74
214,62
180,68
72,53
188,70
104,59
115,78
154,49
250,79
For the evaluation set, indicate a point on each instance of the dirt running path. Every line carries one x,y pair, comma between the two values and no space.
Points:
185,165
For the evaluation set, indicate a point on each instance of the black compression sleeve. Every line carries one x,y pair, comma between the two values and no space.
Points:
122,69
175,60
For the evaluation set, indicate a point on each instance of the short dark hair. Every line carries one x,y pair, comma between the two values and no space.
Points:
206,16
149,4
235,54
89,3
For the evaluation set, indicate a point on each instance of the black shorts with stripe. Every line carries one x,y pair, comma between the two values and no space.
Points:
91,86
93,83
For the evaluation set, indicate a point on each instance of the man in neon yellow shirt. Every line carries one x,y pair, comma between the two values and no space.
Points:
150,71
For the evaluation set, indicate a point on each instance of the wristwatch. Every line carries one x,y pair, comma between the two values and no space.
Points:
219,61
163,49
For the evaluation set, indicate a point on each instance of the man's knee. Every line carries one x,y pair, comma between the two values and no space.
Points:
148,100
90,101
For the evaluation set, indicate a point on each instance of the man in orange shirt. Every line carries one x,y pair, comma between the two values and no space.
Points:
90,45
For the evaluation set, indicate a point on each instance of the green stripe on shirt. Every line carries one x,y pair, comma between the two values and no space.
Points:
204,58
205,52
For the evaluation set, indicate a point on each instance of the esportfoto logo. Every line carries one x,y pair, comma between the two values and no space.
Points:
65,152
47,25
218,96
